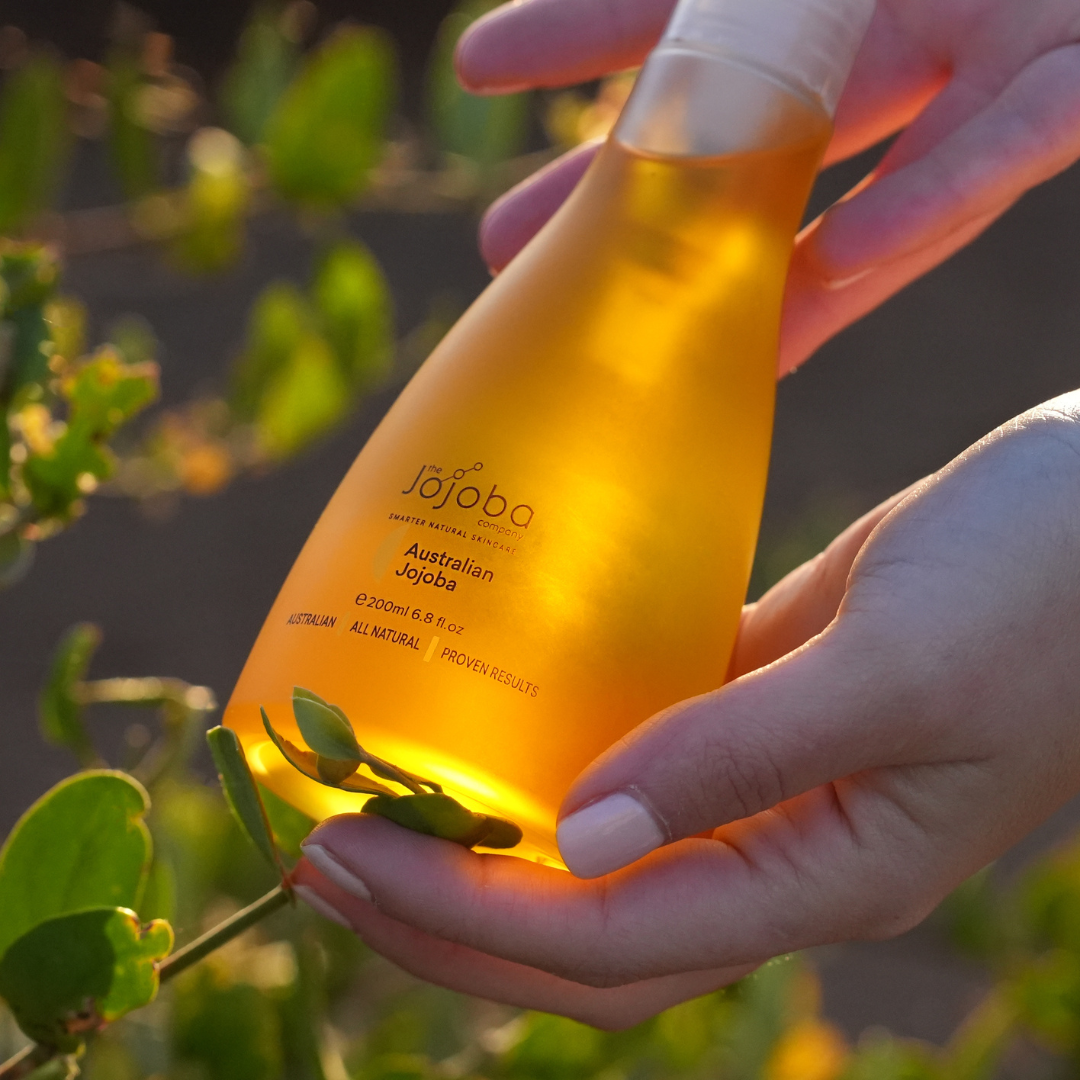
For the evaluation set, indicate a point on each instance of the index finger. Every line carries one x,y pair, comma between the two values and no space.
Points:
800,875
547,43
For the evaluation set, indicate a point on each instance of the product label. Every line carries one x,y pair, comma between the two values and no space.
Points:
440,490
398,615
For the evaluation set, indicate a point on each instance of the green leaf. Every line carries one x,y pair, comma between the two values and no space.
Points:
241,793
265,61
215,202
74,973
439,815
353,303
326,729
327,132
134,153
289,825
29,273
1046,996
33,140
884,1057
102,393
554,1048
230,1030
315,768
279,321
487,130
336,743
303,401
60,712
82,844
67,319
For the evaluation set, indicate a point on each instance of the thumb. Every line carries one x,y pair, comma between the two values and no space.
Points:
831,709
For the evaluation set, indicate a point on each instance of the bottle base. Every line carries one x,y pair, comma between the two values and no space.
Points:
479,793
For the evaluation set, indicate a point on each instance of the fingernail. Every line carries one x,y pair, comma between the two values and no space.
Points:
607,835
323,907
328,866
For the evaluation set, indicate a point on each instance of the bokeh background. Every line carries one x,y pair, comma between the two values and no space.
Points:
180,585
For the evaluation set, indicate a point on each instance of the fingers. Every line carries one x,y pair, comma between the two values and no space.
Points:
458,967
953,172
894,78
512,220
933,184
557,42
827,866
815,308
803,604
833,708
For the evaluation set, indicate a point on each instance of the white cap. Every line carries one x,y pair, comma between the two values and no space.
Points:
810,44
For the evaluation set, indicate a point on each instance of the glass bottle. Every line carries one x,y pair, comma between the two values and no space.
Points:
548,538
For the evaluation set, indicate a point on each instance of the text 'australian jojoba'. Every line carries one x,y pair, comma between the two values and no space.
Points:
418,573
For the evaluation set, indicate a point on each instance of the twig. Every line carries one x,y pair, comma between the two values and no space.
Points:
190,954
149,691
26,1061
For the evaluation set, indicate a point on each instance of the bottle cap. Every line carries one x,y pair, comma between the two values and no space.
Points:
809,44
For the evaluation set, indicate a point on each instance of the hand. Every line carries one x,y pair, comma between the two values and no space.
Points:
988,91
925,720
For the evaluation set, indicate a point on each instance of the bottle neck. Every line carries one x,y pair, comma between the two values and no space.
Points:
809,45
695,101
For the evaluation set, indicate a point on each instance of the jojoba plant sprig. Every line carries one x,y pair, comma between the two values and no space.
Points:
334,757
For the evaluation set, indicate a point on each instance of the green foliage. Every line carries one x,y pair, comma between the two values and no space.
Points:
134,153
882,1057
439,815
307,360
554,1048
289,825
266,59
352,304
101,393
278,323
33,140
241,792
288,381
82,844
74,973
307,397
327,132
325,728
486,130
215,202
229,1029
335,756
60,709
29,273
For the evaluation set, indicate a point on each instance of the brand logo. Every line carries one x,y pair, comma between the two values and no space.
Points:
431,484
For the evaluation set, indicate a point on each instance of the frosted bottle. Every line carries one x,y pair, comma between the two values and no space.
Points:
548,538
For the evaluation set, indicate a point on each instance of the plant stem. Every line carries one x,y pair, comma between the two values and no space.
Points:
25,1062
190,954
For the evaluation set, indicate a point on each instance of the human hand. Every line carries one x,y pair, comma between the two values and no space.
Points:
924,722
988,91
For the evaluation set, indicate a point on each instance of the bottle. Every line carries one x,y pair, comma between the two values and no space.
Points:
548,538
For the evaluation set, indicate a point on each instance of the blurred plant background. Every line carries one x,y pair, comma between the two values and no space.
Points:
230,234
